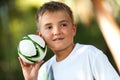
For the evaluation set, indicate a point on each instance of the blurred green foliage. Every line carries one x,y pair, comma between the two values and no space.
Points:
18,21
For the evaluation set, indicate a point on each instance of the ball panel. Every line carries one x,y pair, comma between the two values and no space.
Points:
27,48
25,59
41,52
28,59
38,40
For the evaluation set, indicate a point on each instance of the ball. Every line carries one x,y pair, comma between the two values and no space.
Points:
32,48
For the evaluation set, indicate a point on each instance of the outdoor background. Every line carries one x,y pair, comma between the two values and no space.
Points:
17,19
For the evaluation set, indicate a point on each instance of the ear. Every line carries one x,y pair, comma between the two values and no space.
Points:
74,29
38,33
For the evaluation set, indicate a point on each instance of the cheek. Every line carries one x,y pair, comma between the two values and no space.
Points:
69,32
46,36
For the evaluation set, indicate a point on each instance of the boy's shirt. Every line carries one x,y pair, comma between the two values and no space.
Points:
85,62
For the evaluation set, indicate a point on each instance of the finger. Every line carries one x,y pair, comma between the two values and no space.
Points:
38,64
23,64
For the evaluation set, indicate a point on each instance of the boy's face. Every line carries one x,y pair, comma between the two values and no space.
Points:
57,30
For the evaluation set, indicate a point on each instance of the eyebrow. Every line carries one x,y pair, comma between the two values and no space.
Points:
47,24
58,22
63,21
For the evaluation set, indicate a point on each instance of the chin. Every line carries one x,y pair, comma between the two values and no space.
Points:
57,48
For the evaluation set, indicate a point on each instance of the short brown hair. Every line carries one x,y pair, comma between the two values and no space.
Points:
53,6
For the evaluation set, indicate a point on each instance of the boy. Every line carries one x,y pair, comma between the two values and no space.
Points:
71,61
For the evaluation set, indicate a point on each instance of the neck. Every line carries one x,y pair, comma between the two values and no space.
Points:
62,54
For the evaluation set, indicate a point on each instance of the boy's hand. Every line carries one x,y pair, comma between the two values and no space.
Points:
30,71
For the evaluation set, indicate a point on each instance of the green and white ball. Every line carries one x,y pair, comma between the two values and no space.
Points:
32,48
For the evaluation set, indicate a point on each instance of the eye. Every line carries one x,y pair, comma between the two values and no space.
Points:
49,27
63,24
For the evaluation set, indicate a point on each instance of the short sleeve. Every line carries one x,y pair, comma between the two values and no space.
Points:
102,68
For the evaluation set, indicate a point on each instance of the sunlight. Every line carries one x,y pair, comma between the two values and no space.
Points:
112,37
23,5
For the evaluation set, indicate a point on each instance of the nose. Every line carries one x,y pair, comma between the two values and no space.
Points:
56,31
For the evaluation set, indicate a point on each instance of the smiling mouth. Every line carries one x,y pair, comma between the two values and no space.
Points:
58,39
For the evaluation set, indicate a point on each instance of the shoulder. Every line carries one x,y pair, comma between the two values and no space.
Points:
87,48
90,51
100,66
